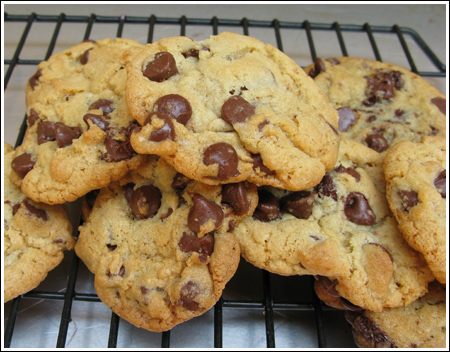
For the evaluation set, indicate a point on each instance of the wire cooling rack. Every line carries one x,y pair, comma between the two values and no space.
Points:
257,309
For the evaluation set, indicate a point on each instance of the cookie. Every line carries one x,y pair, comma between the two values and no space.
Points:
161,245
35,237
416,192
380,104
422,324
229,109
341,229
78,132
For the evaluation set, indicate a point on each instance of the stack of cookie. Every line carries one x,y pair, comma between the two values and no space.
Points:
196,153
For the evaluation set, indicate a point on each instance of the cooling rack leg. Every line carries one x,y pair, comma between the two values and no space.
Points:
268,310
9,329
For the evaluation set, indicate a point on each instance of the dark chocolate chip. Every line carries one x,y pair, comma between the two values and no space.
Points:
166,132
22,164
441,104
350,171
201,211
236,109
161,68
190,242
268,208
98,120
187,295
176,106
145,201
66,134
235,194
46,132
225,156
128,190
358,210
180,182
34,211
319,67
408,199
258,164
326,187
191,53
440,183
377,142
34,80
104,105
347,118
85,57
367,333
32,118
117,143
300,204
382,84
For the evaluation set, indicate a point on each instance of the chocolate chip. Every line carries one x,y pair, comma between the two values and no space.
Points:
300,204
32,118
161,68
166,215
440,183
441,104
145,201
111,247
46,132
258,164
187,295
235,194
377,142
23,164
326,187
268,208
34,80
66,134
117,143
328,285
225,156
347,118
319,67
408,199
166,132
176,106
190,242
34,211
191,53
236,109
180,182
383,84
104,105
350,306
350,171
97,120
85,57
203,210
128,190
358,210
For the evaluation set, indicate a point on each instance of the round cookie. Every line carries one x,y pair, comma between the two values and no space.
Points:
160,244
341,229
231,108
380,104
78,130
416,192
422,324
35,236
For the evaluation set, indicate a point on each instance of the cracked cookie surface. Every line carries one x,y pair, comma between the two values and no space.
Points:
229,109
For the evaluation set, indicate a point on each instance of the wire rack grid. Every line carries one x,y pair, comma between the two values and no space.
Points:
271,304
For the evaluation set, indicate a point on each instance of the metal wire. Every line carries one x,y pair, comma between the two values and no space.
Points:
267,304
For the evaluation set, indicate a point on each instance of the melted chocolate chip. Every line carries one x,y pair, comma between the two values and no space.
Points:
377,142
23,164
268,208
326,187
180,182
328,285
441,104
34,211
117,143
258,164
176,106
128,191
66,134
383,83
97,120
358,210
187,295
201,211
145,201
191,53
408,199
32,118
46,132
350,306
190,242
319,67
225,156
34,80
166,132
440,183
350,171
300,204
347,118
368,332
235,194
161,68
236,109
104,105
85,57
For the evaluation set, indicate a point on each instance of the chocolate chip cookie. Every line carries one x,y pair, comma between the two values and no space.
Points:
416,192
161,245
229,109
422,324
35,236
341,229
380,104
78,130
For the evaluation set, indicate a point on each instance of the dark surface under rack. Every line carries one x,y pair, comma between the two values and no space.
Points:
275,297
